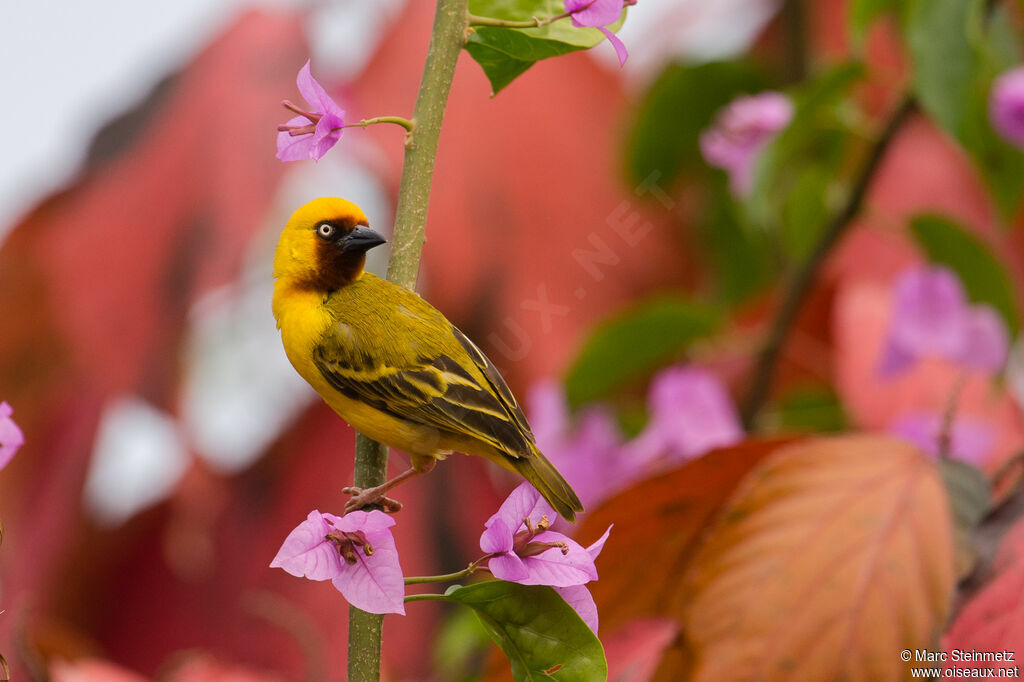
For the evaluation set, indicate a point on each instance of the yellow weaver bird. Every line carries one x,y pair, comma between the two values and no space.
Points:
389,363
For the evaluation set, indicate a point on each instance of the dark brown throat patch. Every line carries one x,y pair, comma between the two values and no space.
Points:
336,268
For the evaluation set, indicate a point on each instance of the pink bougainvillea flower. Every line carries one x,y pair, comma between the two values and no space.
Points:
986,339
524,551
310,134
600,14
931,317
589,454
690,413
580,599
927,318
356,552
1006,106
862,314
578,596
741,131
534,556
11,437
970,440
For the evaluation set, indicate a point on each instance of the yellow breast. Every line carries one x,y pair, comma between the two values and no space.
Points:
303,320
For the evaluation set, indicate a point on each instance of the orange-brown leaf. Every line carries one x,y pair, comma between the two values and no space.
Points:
833,556
657,523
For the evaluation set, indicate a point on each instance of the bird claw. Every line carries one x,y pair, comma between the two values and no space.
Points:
364,498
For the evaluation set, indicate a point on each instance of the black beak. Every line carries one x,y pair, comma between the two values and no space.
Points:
360,240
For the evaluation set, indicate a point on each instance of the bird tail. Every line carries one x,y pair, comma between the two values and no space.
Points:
539,471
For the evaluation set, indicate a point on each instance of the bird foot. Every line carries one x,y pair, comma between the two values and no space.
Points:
364,498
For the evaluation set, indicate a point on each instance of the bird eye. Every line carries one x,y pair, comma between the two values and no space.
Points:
325,230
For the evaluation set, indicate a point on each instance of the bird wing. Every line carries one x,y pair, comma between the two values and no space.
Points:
439,390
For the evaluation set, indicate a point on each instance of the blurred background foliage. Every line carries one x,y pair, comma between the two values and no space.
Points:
579,236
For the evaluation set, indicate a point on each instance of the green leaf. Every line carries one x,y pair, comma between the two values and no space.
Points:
805,211
634,343
969,492
812,409
506,53
862,13
740,257
970,500
983,275
663,138
542,636
817,100
799,174
461,645
945,65
956,52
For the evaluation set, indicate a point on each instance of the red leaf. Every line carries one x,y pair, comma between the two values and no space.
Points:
635,650
994,620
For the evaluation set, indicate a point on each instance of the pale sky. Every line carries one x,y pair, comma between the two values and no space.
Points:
69,66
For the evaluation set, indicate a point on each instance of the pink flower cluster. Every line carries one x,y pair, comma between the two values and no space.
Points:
11,437
1006,106
522,550
690,412
741,131
600,14
312,133
357,553
932,318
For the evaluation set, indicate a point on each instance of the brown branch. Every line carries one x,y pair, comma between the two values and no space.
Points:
803,279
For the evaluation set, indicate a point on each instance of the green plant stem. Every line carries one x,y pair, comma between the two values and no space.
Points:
536,22
450,22
425,597
397,120
447,577
800,284
446,42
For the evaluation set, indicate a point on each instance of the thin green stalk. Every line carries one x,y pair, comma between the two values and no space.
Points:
425,597
397,120
536,22
450,23
447,577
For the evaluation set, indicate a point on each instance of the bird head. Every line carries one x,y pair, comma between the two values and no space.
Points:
323,246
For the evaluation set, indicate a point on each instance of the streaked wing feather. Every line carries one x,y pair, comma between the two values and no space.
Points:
438,393
498,385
